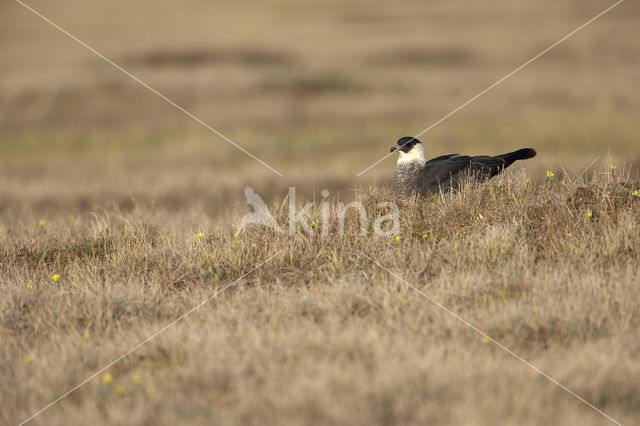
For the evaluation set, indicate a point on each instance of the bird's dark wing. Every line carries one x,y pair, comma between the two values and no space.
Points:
448,171
438,159
484,166
438,172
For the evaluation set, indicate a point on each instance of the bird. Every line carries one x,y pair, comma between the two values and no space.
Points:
415,177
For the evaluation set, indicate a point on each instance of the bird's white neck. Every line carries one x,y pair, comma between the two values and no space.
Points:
417,153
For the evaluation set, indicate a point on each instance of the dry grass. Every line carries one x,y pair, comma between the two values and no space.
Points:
336,80
320,335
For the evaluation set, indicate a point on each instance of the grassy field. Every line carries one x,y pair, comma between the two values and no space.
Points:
321,335
134,208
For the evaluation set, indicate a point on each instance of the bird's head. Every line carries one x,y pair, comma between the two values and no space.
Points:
409,149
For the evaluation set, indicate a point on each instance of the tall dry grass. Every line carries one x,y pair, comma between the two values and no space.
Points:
321,335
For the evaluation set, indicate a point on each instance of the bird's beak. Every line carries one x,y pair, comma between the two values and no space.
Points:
394,149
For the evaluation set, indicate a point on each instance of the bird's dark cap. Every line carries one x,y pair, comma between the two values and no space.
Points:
405,144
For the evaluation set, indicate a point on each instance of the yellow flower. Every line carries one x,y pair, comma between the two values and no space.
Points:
635,193
200,235
590,215
425,236
29,286
397,238
485,339
41,223
313,224
107,378
28,358
55,277
527,181
549,174
120,390
136,380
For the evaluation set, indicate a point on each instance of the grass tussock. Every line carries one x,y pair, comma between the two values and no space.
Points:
320,334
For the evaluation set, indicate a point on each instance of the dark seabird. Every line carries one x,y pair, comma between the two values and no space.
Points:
416,177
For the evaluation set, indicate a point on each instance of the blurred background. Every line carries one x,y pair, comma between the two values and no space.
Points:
319,90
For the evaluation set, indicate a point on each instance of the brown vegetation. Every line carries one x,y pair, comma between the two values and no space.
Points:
124,183
320,334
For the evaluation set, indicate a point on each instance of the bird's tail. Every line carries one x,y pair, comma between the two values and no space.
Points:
521,154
